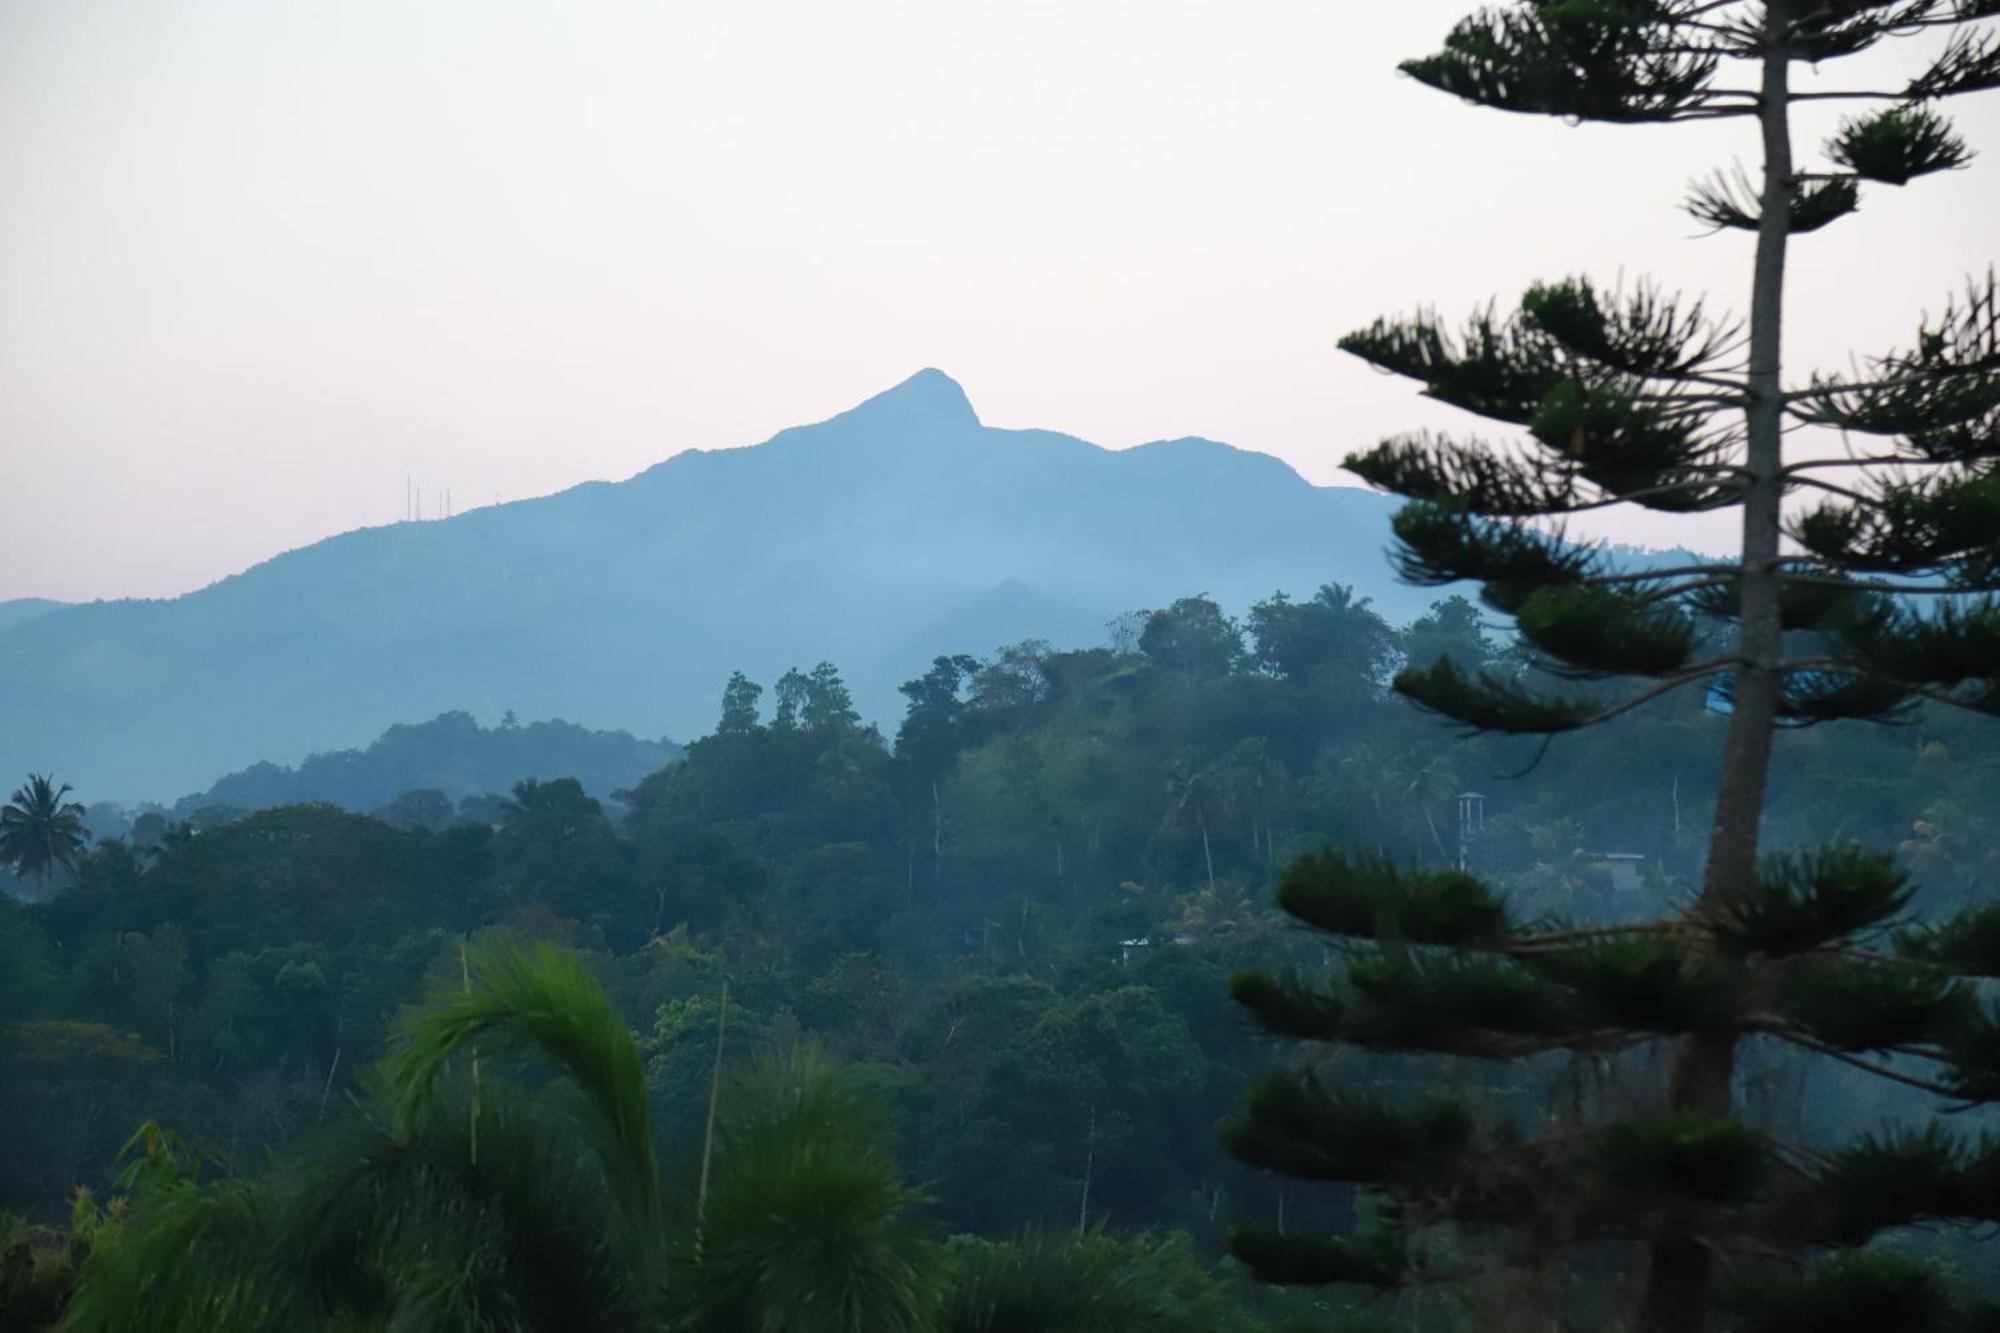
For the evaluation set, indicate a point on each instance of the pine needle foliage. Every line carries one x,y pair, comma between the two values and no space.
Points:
1803,901
1372,895
1863,588
1681,1153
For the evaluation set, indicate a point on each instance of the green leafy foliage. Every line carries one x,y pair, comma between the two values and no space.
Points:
1858,1006
1902,1176
1371,898
1805,900
1292,1123
1373,1259
1601,631
1850,1293
805,1222
1452,1004
541,1000
1487,702
1643,983
1968,943
1602,60
1898,144
40,832
1683,1154
1093,1283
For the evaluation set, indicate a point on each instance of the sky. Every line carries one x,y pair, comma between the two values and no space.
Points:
265,266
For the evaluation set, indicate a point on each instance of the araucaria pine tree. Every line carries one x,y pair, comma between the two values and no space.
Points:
1863,589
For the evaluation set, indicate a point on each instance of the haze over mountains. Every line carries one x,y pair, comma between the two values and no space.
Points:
895,531
23,609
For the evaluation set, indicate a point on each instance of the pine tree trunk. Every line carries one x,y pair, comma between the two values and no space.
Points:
1678,1277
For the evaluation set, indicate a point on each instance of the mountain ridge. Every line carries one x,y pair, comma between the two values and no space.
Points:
626,604
20,610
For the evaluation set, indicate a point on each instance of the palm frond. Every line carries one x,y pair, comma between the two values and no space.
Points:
540,1000
804,1225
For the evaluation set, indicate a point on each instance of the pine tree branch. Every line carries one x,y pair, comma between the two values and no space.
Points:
1901,589
1731,36
1714,113
1707,402
1675,572
1927,379
1867,461
1680,590
1788,1034
1830,487
1529,945
1667,686
1963,705
1704,478
1850,95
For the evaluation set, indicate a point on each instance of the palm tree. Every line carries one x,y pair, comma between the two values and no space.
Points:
803,1227
1191,791
39,833
462,1204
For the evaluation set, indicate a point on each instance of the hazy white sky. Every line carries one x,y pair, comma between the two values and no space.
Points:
260,260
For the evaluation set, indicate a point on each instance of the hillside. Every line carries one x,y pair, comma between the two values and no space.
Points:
451,754
878,538
21,610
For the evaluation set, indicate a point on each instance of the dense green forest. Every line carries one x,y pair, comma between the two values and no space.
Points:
1277,971
1011,924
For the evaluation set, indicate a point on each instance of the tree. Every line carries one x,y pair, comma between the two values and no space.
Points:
423,807
805,1224
1335,640
1450,629
739,706
931,737
1883,601
560,852
933,729
828,707
790,694
40,833
1191,793
1193,638
470,1204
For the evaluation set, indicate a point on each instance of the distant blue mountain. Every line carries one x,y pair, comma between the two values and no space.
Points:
898,530
23,609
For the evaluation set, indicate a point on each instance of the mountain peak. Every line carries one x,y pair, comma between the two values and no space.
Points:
927,400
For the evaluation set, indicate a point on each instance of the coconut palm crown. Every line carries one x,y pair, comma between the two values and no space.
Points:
40,833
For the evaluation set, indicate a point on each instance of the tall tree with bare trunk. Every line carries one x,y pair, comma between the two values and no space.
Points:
1862,588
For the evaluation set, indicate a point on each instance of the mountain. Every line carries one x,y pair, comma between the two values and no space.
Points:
23,609
890,533
451,754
